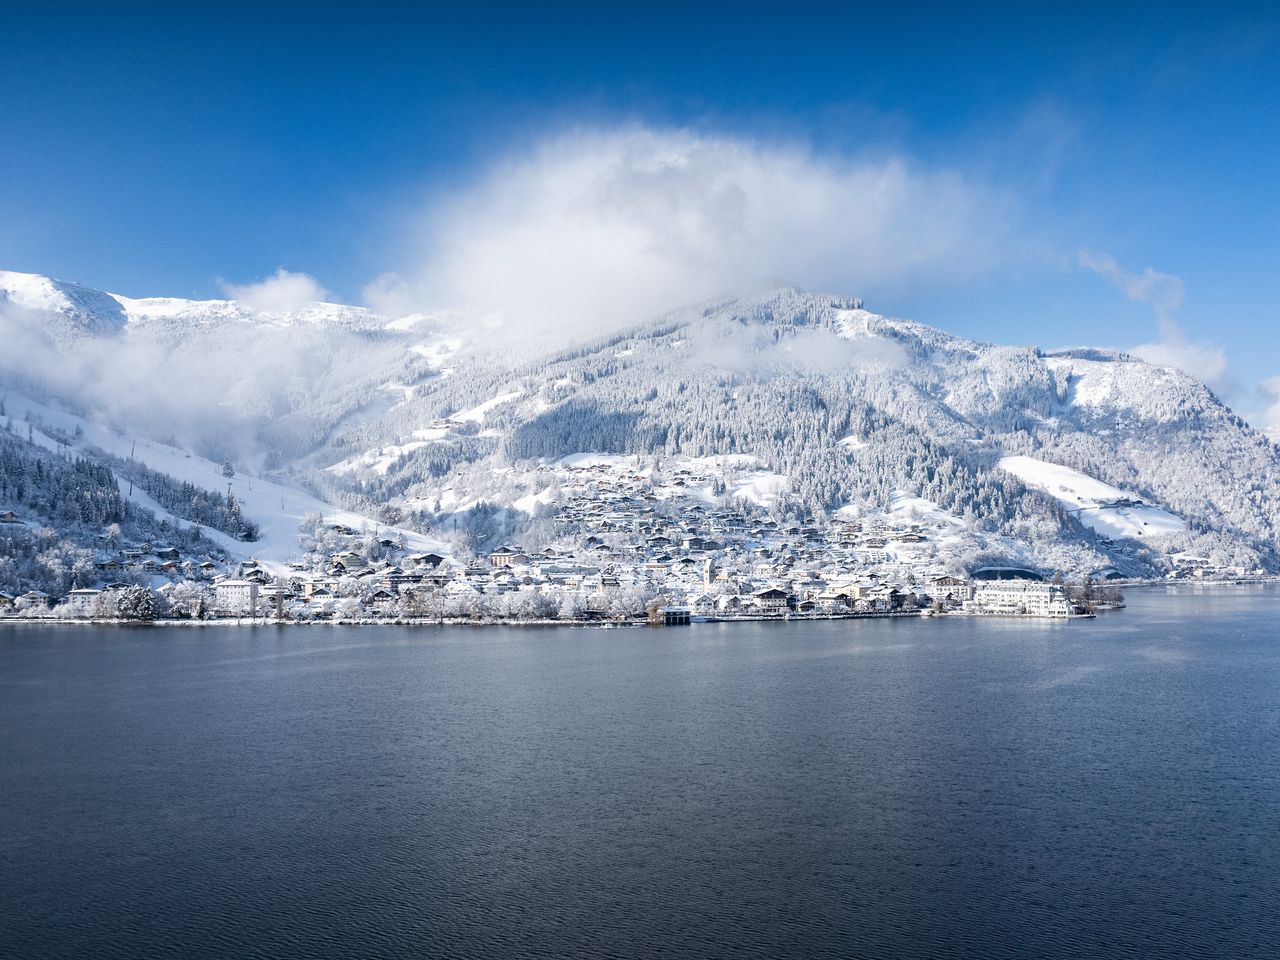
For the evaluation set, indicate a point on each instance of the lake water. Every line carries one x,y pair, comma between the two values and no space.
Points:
953,788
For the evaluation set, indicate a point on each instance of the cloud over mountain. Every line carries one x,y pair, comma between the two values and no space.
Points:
1163,291
597,228
278,293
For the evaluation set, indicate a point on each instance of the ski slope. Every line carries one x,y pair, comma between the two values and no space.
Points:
1101,507
277,509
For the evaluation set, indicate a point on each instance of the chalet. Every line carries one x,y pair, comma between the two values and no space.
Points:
381,599
951,589
461,588
397,579
311,586
835,600
33,598
8,516
349,560
6,602
730,605
772,600
167,553
702,604
276,597
507,557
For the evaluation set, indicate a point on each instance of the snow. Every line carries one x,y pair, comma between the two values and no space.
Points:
903,506
852,442
377,461
277,509
1101,507
436,352
530,503
762,488
33,291
91,310
1123,387
405,390
205,312
598,460
478,413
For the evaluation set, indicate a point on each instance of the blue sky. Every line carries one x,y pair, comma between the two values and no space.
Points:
155,151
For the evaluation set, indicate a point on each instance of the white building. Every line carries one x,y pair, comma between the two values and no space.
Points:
1025,598
81,603
236,596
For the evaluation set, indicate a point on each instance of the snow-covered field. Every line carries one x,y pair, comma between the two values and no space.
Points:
477,413
278,510
1108,510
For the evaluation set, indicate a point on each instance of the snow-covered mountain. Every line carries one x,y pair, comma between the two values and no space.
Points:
809,404
94,313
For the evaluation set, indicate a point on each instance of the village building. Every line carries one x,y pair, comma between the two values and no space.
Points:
506,557
1028,598
236,597
82,602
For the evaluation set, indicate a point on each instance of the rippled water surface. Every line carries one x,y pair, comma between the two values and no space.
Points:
847,789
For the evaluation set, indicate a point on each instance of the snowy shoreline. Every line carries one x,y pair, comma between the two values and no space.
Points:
613,624
436,622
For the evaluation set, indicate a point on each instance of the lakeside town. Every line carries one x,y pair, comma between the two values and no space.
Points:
623,553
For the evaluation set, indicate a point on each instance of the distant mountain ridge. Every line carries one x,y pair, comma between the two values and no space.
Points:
850,408
96,312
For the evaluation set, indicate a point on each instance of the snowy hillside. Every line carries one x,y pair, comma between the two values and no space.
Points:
73,311
277,509
1108,510
99,312
1082,458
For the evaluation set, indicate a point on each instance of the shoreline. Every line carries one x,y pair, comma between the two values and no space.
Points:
923,614
494,622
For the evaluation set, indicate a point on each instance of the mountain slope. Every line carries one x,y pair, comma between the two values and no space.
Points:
854,407
835,407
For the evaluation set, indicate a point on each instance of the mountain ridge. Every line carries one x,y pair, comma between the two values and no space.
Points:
850,408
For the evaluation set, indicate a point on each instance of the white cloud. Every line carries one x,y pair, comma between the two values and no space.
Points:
1206,363
1163,291
1270,419
279,293
389,294
598,228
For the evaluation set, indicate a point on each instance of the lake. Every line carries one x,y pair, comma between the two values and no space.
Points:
921,788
